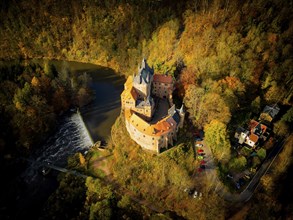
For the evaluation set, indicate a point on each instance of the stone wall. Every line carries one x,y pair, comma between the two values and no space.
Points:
162,90
151,142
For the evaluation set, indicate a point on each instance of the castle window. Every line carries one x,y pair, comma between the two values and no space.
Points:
153,138
165,84
144,136
136,125
153,143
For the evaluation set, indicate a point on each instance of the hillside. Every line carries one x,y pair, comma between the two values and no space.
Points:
246,47
229,59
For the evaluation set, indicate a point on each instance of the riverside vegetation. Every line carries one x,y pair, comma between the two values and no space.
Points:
32,96
229,59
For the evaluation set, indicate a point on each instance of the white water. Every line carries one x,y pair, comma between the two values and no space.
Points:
72,136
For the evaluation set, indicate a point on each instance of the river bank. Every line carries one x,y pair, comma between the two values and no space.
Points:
25,190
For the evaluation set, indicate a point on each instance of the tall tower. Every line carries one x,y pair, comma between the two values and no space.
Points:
143,80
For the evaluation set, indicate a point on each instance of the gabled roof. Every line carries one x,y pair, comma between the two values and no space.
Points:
144,73
271,110
163,78
253,137
157,129
257,128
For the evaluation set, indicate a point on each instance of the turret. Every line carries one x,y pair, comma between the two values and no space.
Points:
143,80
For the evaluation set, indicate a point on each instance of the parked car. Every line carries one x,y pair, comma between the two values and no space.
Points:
202,166
200,151
195,194
237,185
202,162
200,196
188,191
199,145
246,176
229,176
200,157
241,181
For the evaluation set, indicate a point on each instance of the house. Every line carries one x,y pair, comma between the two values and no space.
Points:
151,118
269,113
256,131
259,129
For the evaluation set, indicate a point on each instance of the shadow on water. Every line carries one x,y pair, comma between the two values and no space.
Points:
99,115
25,195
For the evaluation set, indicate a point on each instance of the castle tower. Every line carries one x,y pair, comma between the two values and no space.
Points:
143,80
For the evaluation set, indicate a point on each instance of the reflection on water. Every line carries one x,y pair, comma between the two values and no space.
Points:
71,136
100,115
76,132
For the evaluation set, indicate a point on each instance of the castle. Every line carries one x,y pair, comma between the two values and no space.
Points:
147,105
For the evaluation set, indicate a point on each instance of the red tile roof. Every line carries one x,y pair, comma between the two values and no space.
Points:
253,138
163,78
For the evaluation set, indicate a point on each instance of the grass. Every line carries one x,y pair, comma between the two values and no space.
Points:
97,163
152,177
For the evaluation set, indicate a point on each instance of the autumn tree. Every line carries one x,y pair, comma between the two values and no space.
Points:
99,199
216,138
281,128
204,107
288,116
187,77
255,105
161,47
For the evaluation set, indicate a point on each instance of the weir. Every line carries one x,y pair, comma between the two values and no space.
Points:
84,126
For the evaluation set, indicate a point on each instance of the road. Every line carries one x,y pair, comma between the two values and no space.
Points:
246,194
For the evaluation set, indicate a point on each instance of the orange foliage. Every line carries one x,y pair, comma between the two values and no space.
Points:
273,38
233,83
186,78
35,82
31,112
258,70
18,106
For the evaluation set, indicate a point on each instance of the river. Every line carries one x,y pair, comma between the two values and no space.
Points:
100,114
75,133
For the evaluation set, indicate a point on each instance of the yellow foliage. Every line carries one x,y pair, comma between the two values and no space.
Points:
162,45
18,106
81,159
35,82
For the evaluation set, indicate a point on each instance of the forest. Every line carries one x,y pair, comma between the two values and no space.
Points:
229,60
32,97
